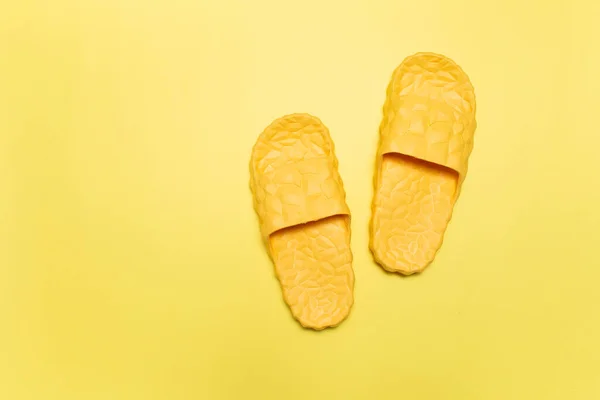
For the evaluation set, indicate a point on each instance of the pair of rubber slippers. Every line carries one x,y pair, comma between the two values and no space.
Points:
426,137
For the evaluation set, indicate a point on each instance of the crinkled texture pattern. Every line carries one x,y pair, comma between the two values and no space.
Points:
429,112
413,205
293,194
300,201
426,138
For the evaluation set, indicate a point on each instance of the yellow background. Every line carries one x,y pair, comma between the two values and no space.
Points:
131,265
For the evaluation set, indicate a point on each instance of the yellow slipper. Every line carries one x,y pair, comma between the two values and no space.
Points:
425,140
301,205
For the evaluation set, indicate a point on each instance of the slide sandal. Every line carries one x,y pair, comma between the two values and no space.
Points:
425,139
301,205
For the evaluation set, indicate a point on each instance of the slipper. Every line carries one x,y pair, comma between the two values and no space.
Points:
425,140
301,205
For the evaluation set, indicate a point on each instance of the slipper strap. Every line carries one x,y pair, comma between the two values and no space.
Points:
429,130
298,193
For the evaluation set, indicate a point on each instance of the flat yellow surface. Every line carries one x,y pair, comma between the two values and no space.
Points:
131,264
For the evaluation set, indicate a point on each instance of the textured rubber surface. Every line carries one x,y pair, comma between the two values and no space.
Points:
300,201
426,138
